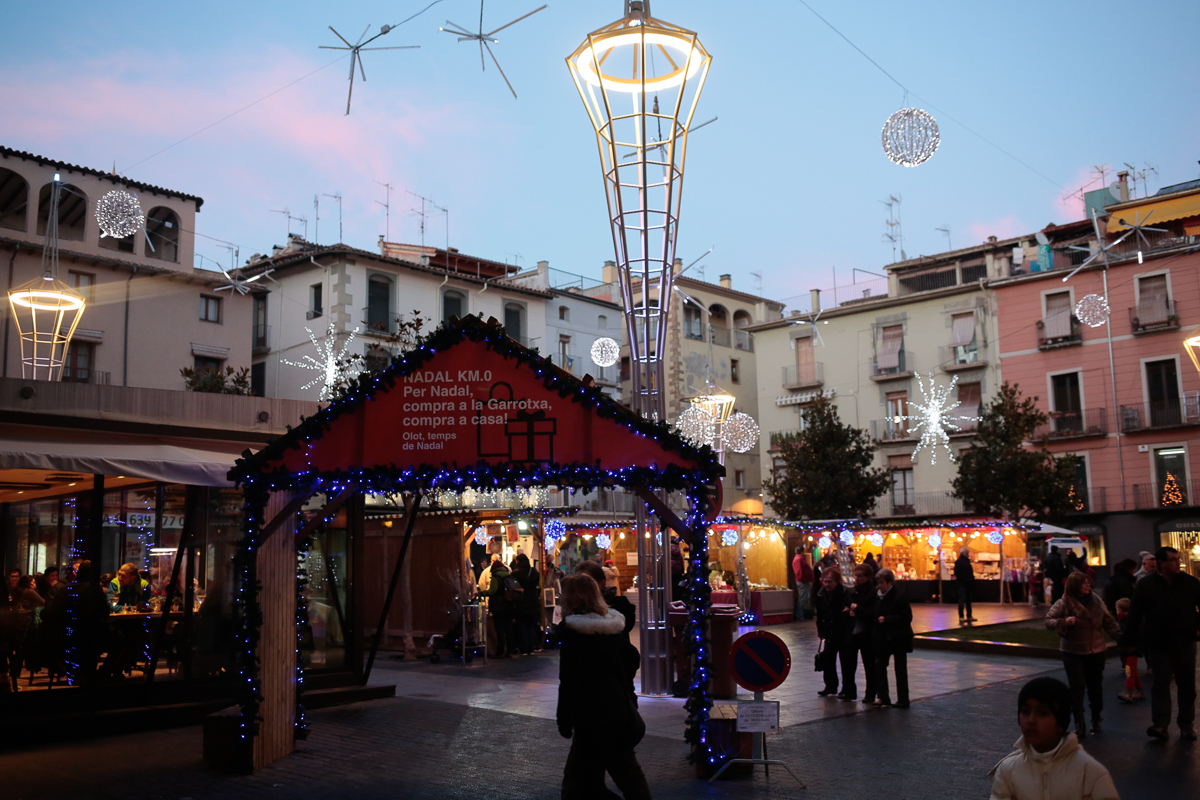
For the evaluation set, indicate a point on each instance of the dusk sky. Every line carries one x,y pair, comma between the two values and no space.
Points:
788,182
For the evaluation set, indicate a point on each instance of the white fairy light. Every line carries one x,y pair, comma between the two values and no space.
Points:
935,420
468,497
910,137
729,538
696,426
1092,310
333,368
119,214
605,352
740,433
603,541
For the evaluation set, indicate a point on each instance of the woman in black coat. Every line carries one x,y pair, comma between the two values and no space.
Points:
862,635
833,626
893,637
527,608
596,709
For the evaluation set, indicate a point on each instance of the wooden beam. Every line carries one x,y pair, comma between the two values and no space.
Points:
319,518
664,513
294,505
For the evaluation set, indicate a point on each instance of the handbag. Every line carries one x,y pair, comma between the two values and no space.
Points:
819,658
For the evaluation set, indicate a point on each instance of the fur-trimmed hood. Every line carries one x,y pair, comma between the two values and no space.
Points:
611,623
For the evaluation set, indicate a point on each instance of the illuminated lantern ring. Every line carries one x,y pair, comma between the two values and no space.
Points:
910,137
46,312
1092,310
118,214
605,352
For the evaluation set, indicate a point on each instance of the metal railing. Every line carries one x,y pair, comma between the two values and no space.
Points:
379,321
1050,337
907,364
1071,424
1088,501
919,504
261,339
890,430
721,336
693,330
560,279
799,378
1151,495
743,340
1161,414
1153,316
962,356
85,376
777,438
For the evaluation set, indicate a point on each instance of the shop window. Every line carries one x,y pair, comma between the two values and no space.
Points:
14,200
325,558
162,227
316,301
454,304
72,212
734,371
210,309
80,361
83,283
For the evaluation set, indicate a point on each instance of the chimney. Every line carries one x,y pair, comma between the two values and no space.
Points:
991,240
726,281
815,294
677,267
543,267
795,312
609,272
1123,185
381,248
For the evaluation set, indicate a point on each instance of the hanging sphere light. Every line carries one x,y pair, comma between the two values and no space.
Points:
696,426
605,352
935,540
846,537
877,539
740,433
603,541
910,137
729,538
555,529
119,214
995,537
1092,310
824,543
481,535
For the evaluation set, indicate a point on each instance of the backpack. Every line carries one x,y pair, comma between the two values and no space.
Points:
512,588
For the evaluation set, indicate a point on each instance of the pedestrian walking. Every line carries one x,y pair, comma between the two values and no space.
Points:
1121,585
1165,613
833,627
861,643
1129,653
1055,572
597,710
1049,762
1081,620
1149,565
964,575
893,638
803,573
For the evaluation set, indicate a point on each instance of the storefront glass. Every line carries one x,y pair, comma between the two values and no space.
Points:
326,561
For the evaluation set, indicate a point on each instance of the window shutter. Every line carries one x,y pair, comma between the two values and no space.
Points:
889,350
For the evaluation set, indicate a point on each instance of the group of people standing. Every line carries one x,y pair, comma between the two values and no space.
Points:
514,600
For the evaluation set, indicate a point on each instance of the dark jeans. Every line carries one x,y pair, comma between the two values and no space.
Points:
835,654
1180,663
850,656
965,592
1056,591
505,641
527,633
1085,673
589,759
881,679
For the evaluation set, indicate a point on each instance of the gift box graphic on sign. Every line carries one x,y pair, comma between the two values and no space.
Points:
531,436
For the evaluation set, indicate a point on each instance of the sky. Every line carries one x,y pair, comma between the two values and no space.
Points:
789,182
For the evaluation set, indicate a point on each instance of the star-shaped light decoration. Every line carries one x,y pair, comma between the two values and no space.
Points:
334,368
935,419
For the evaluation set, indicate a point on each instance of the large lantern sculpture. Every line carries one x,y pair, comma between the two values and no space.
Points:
46,311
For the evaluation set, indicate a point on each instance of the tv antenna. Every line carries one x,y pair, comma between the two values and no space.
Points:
387,207
338,196
317,218
758,281
356,53
465,35
290,216
894,233
946,230
422,213
1140,175
236,282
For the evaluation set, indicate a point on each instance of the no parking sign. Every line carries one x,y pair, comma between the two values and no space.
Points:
759,661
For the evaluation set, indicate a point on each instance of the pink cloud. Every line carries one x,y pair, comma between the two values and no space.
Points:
1003,228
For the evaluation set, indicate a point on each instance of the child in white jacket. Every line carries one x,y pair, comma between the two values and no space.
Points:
1049,763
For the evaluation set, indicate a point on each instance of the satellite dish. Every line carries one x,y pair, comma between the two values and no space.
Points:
1041,238
1114,189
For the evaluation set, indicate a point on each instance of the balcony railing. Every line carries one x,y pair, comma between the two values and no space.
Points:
903,370
692,330
963,356
1088,501
743,340
1161,414
1053,333
261,339
721,336
1150,495
1153,317
85,376
378,321
890,430
777,438
804,377
919,504
1074,424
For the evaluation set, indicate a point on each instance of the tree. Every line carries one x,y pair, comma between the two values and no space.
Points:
1171,495
404,337
214,381
999,475
827,469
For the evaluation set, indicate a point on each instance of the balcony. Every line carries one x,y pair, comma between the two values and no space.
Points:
919,504
1149,495
1157,414
1053,333
91,376
261,339
905,368
1153,317
961,357
743,340
721,337
777,438
891,430
804,377
692,330
1089,501
1073,425
378,321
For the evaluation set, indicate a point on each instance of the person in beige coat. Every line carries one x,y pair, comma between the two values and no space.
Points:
1082,619
1049,763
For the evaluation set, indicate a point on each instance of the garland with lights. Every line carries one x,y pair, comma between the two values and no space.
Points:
699,701
303,626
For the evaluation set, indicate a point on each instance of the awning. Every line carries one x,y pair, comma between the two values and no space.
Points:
962,331
1161,211
152,460
803,397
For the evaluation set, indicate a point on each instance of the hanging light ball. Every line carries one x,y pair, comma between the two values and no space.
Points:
740,433
729,538
605,352
1092,310
910,137
846,537
119,214
824,543
549,543
877,539
603,541
481,535
995,537
555,529
696,426
935,540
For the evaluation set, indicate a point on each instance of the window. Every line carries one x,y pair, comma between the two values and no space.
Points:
739,479
625,370
691,322
1154,306
206,364
258,379
80,360
1079,487
377,359
962,338
260,321
1170,473
514,315
379,304
316,300
1162,390
806,367
904,497
564,313
162,228
970,395
1066,403
210,309
82,282
891,345
454,304
564,353
734,373
1058,315
896,426
602,323
14,200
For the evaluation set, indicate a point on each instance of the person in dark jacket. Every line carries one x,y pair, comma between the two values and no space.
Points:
964,575
893,637
1055,572
833,626
1081,620
861,610
502,599
1121,585
1166,613
618,601
596,709
527,609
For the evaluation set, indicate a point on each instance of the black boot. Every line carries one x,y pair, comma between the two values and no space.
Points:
1080,728
1095,723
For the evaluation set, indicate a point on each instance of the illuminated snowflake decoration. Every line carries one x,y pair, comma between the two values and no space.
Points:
481,535
333,368
603,541
910,137
729,538
1092,310
119,214
935,419
877,539
739,433
935,540
555,529
697,426
605,352
824,543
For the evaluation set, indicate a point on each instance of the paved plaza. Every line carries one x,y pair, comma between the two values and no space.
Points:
488,732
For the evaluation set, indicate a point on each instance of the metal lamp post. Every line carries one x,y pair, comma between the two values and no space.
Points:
640,79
